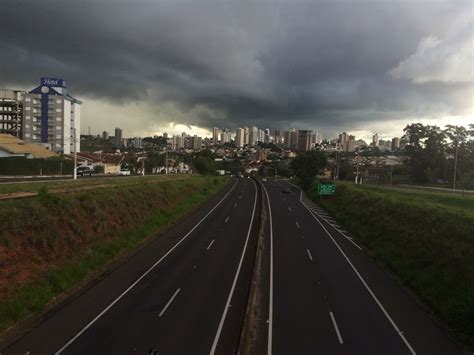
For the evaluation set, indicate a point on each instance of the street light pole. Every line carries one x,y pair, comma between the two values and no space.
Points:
455,168
75,156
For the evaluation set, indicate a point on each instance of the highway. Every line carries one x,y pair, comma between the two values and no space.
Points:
329,297
187,291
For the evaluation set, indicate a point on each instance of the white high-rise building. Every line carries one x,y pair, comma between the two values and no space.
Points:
215,135
52,116
375,139
253,136
240,137
246,135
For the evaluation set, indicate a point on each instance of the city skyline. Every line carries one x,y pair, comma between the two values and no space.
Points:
165,66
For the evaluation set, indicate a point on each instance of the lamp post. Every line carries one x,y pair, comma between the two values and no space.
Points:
75,155
455,167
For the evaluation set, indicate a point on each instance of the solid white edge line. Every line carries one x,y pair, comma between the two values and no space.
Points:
297,225
309,255
88,325
210,245
270,303
169,302
399,332
231,293
336,328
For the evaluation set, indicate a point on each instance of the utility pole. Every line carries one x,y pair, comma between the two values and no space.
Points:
455,167
75,156
357,167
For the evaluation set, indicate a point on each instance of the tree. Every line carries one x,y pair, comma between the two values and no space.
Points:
204,165
307,165
426,149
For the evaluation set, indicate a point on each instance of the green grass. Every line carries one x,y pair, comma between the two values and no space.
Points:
462,204
70,184
85,258
426,239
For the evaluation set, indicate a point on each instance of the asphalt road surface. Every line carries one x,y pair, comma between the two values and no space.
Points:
185,293
329,297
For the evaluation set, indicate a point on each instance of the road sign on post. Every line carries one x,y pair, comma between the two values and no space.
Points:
326,189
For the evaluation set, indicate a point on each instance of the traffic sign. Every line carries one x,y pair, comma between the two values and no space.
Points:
326,189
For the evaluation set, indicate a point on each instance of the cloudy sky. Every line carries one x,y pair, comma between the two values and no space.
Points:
155,66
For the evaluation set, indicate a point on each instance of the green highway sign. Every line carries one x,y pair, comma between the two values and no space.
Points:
326,189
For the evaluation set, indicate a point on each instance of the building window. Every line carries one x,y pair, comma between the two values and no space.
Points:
27,135
27,99
58,145
27,108
27,117
58,136
58,110
58,101
58,119
27,126
58,128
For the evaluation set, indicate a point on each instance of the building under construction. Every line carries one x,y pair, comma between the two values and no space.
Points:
11,112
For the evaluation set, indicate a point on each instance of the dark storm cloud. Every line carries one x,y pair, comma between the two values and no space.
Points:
275,64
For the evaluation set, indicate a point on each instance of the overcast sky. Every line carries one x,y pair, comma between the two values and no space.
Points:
155,66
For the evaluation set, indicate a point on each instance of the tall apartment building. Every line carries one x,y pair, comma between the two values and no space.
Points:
304,140
47,115
240,137
118,137
11,112
105,135
395,143
215,135
196,142
246,135
343,137
253,136
278,137
225,136
375,140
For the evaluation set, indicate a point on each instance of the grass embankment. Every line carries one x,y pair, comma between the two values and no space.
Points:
52,185
51,242
426,239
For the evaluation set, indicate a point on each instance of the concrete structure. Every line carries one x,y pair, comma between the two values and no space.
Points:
375,140
253,136
118,137
395,143
52,117
304,140
105,135
215,135
137,142
246,135
196,143
11,112
240,137
11,146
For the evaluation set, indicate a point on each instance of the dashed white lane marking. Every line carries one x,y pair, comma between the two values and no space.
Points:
210,245
227,218
240,196
384,311
336,328
232,289
88,325
169,302
309,255
289,209
297,225
235,204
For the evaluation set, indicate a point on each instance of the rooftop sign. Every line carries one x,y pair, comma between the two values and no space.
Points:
53,82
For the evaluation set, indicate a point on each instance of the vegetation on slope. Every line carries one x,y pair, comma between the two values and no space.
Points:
51,242
426,239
